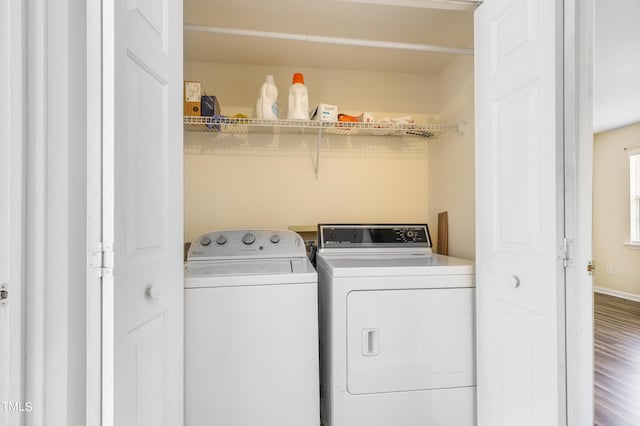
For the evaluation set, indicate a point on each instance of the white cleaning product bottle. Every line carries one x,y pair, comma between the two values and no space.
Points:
267,103
298,99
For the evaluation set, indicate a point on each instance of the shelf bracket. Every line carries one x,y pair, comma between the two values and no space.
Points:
317,165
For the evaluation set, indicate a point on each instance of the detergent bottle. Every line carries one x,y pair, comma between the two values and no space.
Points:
298,99
267,103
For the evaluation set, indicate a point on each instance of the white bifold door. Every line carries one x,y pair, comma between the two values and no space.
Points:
142,213
519,213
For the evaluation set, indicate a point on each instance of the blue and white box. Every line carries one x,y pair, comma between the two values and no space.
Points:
325,112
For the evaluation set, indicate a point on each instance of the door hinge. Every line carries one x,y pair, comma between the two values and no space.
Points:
102,259
591,267
566,259
4,294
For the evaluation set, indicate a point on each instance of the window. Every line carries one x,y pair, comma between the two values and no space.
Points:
634,186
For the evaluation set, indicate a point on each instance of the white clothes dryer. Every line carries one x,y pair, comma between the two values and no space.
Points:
397,329
251,331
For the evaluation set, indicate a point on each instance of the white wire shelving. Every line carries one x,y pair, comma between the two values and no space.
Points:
254,125
245,126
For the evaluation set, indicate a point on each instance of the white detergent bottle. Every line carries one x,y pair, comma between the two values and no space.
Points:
298,99
267,103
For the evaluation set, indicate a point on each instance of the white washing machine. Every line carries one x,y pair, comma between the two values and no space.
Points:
251,331
397,329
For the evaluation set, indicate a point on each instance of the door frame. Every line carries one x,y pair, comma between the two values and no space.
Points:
48,206
578,151
12,118
578,134
96,387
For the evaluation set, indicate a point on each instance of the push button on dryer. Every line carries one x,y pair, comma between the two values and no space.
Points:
275,238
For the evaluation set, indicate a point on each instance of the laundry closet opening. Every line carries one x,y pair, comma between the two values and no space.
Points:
383,60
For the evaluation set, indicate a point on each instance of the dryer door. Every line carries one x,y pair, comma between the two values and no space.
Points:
406,340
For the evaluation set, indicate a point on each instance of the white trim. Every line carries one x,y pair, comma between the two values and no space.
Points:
330,40
633,150
56,149
632,245
634,165
578,94
94,209
76,211
36,236
54,213
459,5
107,99
617,293
12,155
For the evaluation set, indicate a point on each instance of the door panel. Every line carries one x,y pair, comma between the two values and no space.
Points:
146,156
518,157
519,213
515,33
406,340
518,343
147,211
149,346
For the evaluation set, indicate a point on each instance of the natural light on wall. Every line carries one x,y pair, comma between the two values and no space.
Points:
634,185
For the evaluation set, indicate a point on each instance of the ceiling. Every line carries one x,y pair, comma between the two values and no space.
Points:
616,85
369,20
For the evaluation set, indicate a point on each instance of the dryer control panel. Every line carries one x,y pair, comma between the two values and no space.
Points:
247,243
373,236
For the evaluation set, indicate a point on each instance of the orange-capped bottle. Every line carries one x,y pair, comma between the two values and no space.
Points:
298,99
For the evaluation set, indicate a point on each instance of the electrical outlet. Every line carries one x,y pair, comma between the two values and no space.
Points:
609,270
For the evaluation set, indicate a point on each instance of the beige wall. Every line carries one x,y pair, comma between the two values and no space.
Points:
451,167
611,211
269,181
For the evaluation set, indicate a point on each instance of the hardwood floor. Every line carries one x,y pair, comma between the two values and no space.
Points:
617,361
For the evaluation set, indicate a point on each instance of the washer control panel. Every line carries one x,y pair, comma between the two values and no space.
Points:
373,236
246,243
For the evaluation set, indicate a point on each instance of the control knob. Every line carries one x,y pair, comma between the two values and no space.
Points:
205,241
275,238
221,240
248,238
409,235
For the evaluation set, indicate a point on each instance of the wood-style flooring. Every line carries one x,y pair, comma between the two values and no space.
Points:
617,361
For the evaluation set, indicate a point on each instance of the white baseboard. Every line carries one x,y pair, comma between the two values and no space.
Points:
616,293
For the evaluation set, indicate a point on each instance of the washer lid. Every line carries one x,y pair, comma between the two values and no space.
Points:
239,273
241,268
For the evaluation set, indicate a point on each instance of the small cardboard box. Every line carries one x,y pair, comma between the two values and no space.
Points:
325,112
209,106
365,117
192,94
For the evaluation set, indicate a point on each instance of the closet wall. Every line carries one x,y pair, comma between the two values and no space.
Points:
268,181
451,168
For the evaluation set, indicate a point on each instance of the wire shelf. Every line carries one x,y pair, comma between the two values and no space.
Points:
225,125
